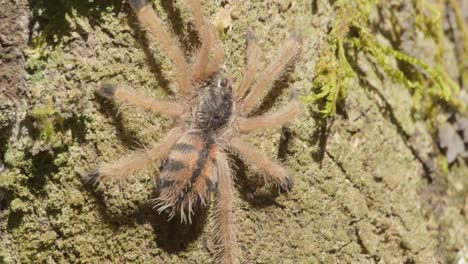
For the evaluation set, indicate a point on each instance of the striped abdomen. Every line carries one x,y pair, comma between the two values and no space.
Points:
188,175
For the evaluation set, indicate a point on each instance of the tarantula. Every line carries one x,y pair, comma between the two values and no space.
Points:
210,117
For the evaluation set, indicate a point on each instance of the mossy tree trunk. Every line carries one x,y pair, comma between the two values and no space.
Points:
368,183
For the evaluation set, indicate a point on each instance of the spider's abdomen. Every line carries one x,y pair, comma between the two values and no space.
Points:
214,107
188,175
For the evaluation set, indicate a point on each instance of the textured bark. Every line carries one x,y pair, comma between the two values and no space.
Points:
367,188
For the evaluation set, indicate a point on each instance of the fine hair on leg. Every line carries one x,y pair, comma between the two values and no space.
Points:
128,166
203,67
202,56
275,120
227,250
134,98
199,18
273,72
218,53
155,26
271,171
252,64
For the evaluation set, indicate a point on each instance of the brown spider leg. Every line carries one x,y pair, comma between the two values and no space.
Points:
128,166
199,18
251,67
271,171
202,57
218,53
153,24
289,52
203,67
276,120
109,91
225,237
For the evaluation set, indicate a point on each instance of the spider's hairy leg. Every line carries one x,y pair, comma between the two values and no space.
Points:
199,19
272,73
132,97
154,25
226,242
271,171
202,66
251,67
218,53
130,165
275,120
202,56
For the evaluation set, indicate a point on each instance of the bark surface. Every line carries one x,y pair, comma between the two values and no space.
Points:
366,190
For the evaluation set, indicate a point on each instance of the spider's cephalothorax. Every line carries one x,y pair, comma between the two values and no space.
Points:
213,107
211,116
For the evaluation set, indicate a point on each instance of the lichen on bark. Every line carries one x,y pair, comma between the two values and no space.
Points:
367,189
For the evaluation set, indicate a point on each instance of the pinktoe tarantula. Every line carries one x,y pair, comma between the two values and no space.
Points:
210,117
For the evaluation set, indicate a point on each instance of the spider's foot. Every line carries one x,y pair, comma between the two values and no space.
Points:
251,35
293,95
288,184
107,90
137,4
91,178
297,37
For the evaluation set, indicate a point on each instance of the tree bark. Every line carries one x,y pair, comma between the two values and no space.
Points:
368,184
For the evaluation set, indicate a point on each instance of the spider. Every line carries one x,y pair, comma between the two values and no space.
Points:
210,116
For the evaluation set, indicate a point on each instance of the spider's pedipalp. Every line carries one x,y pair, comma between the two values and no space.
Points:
251,67
132,97
130,165
271,171
275,120
227,250
153,24
288,53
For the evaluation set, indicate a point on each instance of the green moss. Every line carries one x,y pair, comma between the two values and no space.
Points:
443,88
36,66
334,70
463,57
14,158
333,75
47,120
429,20
17,205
